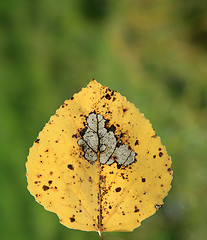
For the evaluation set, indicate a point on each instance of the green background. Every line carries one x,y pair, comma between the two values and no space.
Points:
153,52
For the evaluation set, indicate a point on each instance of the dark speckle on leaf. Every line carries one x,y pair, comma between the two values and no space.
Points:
70,166
82,132
74,136
118,189
112,128
118,166
72,219
136,143
169,169
107,96
160,154
121,135
136,209
45,188
37,141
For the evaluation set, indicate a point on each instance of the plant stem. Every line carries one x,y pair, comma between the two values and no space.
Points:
101,235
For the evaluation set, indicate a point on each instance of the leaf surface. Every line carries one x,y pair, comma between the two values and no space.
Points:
98,163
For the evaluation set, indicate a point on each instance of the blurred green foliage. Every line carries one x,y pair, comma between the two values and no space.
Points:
153,52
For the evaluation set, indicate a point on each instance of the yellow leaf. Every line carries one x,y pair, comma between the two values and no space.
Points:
98,164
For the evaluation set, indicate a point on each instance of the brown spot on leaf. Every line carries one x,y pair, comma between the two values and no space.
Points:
107,96
70,166
45,188
121,135
72,219
37,141
118,189
136,143
160,154
136,209
112,128
82,132
118,166
169,169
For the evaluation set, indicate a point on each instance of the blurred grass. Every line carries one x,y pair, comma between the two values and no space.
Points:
153,52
